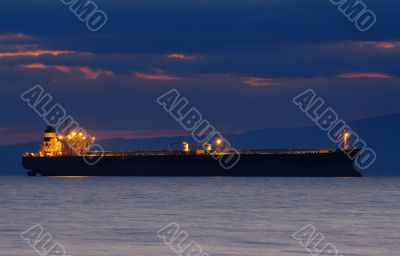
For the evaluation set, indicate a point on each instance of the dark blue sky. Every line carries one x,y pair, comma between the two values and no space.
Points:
240,62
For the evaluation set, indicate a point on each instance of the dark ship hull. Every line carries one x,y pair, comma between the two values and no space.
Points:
333,164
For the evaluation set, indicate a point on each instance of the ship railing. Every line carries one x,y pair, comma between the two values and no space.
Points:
288,151
125,153
167,152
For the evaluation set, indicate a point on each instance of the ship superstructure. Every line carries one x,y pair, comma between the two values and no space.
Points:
72,144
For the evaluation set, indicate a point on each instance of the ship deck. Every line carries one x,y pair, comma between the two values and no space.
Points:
242,152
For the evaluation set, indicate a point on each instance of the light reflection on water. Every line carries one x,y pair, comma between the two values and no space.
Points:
71,177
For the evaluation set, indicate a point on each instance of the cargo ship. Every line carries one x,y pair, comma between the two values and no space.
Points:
70,155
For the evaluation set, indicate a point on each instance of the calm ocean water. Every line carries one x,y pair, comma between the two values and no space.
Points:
226,216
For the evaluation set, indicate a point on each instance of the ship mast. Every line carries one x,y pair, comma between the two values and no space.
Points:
346,135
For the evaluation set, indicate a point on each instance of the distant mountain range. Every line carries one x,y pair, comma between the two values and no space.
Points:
380,133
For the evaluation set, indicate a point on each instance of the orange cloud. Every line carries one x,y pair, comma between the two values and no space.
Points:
365,75
9,137
88,72
380,44
94,74
180,56
35,53
259,81
64,69
35,65
158,75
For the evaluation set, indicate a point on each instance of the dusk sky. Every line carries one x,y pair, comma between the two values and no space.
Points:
239,62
